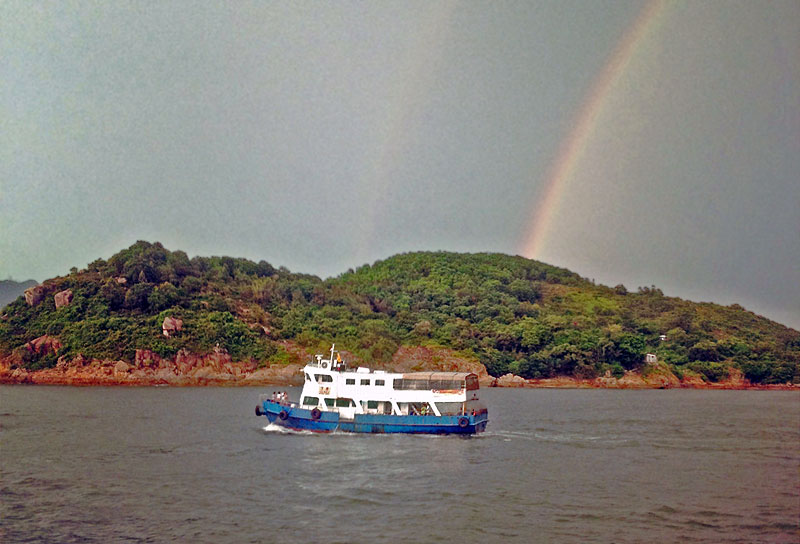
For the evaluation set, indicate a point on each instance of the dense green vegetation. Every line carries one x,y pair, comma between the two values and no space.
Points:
514,314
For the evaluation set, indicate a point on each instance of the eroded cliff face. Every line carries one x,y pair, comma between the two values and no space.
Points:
147,368
216,368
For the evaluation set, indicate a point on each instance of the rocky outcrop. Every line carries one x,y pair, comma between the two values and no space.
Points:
509,380
654,377
34,295
217,368
148,368
43,345
63,298
171,325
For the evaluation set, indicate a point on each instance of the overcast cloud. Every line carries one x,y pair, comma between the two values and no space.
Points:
322,136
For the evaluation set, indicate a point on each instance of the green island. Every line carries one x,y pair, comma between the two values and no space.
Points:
511,314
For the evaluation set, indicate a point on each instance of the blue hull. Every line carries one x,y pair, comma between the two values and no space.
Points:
293,417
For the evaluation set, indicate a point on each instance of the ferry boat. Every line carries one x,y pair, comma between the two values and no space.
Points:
336,397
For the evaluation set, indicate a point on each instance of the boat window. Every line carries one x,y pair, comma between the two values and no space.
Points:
447,385
372,404
345,403
350,381
424,384
329,402
450,408
380,382
324,378
310,401
415,408
364,382
308,378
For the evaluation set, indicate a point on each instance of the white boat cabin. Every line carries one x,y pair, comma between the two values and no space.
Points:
332,386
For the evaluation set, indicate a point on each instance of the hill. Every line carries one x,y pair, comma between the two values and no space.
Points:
512,314
10,290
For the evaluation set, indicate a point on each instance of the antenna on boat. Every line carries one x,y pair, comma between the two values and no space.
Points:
332,346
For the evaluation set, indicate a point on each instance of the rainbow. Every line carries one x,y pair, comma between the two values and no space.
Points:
572,148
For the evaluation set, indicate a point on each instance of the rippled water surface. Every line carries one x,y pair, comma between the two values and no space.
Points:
195,465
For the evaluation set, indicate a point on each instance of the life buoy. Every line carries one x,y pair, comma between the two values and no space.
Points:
258,410
463,422
315,413
284,415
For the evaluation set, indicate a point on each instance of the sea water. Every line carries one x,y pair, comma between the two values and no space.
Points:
196,465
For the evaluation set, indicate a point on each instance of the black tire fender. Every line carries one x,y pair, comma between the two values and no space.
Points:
316,414
463,422
284,415
258,410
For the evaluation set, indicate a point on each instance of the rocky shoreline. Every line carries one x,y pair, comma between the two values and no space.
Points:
218,369
635,380
148,369
213,369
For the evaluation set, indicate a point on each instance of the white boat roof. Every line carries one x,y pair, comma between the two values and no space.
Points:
437,375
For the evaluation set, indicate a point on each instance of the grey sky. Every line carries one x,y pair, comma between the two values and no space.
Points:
321,136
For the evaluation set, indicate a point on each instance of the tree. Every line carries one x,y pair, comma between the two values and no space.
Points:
114,294
628,350
704,350
136,297
162,297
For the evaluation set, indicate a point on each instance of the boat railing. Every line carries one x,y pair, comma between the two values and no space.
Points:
264,397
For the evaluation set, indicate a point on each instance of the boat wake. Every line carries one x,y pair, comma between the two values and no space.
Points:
274,428
541,435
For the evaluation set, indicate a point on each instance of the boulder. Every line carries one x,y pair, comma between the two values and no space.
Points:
144,358
171,325
510,380
63,298
44,344
34,295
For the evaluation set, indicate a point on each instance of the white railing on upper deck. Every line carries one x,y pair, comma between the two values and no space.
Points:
324,363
